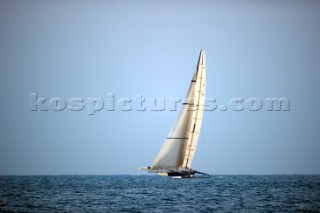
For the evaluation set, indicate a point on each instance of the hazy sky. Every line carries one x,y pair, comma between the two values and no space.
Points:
87,49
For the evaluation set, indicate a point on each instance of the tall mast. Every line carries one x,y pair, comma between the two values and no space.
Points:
199,96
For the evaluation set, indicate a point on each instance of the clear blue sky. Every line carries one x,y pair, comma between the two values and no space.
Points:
89,48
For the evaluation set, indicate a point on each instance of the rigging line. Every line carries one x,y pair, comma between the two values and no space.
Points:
201,87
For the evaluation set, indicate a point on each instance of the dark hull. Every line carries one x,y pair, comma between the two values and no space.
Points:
187,174
180,174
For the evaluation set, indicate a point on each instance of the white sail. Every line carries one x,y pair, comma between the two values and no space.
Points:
170,157
196,121
179,147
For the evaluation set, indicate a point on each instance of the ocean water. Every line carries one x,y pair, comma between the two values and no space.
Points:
152,193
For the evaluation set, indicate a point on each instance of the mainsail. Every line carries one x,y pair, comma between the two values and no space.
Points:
178,150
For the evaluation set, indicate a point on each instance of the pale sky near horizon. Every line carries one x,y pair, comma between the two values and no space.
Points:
87,49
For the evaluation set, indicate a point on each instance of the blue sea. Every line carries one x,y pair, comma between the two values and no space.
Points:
152,193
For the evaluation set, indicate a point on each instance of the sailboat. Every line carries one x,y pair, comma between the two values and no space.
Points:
177,153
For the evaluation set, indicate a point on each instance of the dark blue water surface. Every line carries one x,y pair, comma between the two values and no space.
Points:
118,193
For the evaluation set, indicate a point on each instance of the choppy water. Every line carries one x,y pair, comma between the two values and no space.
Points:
128,193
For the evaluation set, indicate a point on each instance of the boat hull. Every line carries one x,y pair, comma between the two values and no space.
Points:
188,174
181,174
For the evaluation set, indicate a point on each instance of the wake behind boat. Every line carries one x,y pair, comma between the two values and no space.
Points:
177,153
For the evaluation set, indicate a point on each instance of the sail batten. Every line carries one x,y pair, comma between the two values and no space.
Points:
178,150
